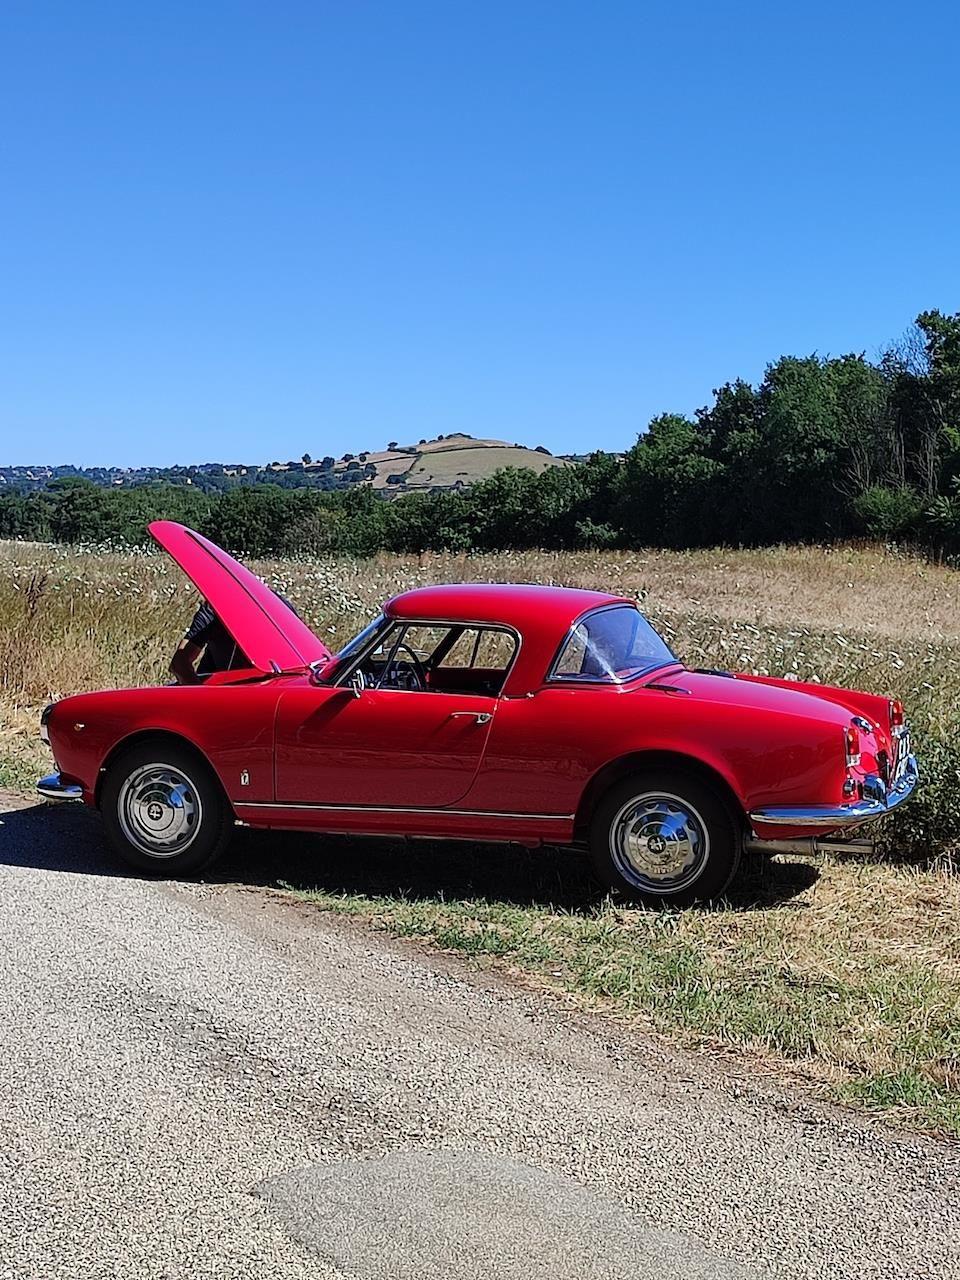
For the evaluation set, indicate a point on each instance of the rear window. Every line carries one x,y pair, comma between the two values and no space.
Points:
611,645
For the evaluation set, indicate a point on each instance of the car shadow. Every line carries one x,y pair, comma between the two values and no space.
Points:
69,838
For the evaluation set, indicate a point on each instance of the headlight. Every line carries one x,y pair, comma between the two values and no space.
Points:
45,715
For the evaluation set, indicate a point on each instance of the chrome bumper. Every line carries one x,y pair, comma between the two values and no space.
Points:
844,815
52,787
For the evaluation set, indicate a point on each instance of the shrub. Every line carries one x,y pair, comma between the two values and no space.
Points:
887,512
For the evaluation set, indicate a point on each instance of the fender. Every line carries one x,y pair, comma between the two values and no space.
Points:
231,726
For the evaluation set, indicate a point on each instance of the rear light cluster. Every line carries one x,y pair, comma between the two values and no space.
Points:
897,717
851,742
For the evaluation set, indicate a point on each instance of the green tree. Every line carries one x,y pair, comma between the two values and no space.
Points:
25,516
81,512
419,522
317,530
811,415
732,430
501,510
592,515
923,374
365,517
251,520
668,484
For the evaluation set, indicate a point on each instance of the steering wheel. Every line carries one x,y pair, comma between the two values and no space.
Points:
411,676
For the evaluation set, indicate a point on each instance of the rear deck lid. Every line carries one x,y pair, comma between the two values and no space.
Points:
263,625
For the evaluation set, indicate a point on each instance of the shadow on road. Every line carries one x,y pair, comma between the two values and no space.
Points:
69,838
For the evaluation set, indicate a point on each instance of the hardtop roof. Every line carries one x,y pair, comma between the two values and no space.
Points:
515,604
541,615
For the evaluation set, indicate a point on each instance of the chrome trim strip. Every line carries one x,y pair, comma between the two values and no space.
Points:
374,808
53,788
846,815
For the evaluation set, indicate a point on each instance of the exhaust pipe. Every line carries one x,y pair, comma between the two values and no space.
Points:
808,845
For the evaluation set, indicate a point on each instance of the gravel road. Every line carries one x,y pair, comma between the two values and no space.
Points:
206,1081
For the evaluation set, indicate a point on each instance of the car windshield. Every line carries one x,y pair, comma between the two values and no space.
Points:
611,645
355,646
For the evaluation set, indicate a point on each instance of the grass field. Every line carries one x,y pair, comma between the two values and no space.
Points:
842,971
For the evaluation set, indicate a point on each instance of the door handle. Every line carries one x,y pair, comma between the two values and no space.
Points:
479,717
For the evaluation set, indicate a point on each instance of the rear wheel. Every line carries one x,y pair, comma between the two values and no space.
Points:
163,809
665,839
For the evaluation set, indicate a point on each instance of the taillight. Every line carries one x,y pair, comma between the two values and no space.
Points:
851,742
897,717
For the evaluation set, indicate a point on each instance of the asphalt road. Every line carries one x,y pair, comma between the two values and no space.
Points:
204,1081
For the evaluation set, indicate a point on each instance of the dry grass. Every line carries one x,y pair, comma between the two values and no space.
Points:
845,974
896,605
849,972
74,620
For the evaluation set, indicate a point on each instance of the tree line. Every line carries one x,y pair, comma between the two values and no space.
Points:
824,448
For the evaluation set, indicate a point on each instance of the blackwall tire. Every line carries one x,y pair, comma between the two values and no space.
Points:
665,839
163,809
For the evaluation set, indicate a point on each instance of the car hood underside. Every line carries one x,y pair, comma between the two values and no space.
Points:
264,626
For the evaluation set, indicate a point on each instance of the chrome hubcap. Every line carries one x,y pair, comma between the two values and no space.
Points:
659,843
159,810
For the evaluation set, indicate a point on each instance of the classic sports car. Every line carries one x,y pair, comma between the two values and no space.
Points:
495,713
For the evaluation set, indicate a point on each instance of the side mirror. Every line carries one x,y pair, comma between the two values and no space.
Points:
358,682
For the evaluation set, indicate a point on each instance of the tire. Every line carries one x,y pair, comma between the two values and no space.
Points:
163,809
665,839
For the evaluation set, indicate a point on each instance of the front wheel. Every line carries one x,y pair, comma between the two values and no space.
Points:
163,809
664,839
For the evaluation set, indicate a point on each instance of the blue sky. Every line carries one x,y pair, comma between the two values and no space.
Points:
239,231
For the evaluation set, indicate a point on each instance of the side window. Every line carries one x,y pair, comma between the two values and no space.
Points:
476,662
421,641
402,659
440,658
476,647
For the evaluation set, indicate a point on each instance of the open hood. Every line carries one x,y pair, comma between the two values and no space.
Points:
266,629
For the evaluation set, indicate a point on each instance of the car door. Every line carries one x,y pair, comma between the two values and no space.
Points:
390,747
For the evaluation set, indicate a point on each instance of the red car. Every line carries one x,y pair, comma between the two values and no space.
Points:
510,713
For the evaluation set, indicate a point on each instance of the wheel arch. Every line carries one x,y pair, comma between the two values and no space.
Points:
169,736
643,761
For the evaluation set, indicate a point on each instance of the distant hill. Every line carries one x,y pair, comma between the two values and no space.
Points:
447,462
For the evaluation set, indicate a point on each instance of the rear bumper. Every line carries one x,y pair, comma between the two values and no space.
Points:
830,818
53,787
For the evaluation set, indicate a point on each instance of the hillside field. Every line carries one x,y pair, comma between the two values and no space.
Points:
456,460
448,462
842,972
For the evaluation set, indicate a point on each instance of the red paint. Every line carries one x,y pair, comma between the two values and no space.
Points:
420,763
379,749
266,630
